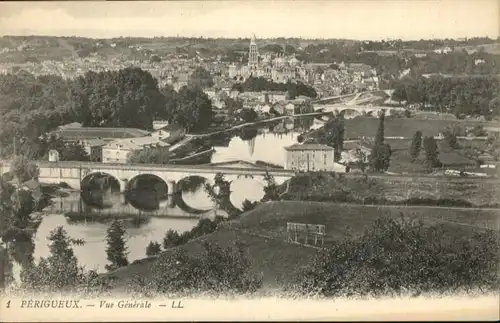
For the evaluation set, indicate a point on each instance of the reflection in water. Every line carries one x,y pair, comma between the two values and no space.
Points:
98,190
93,253
193,196
146,192
77,210
267,147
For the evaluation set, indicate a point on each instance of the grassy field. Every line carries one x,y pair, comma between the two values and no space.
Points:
400,127
341,220
401,160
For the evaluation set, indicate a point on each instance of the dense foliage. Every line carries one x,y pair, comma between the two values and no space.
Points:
404,256
416,144
332,134
193,109
31,107
116,248
215,270
431,152
153,249
462,96
381,152
220,192
248,115
124,98
159,155
17,225
60,271
203,227
23,169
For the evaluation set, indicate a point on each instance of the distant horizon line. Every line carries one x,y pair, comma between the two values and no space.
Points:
249,37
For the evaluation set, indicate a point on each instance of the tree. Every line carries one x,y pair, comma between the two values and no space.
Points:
23,169
116,249
271,189
67,150
17,226
217,270
60,271
201,78
248,115
361,159
220,193
394,257
416,144
126,98
238,87
153,249
159,155
193,111
431,152
6,273
451,139
232,105
249,205
381,153
332,135
381,157
172,239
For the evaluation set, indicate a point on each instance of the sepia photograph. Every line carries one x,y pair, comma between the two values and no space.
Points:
249,160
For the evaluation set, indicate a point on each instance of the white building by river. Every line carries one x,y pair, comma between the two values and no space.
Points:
312,157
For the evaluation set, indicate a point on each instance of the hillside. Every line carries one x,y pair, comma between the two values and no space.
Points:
275,261
263,230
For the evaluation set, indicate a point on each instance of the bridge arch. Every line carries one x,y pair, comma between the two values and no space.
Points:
100,189
147,192
246,187
100,179
191,195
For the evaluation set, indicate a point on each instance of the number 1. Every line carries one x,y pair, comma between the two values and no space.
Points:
8,304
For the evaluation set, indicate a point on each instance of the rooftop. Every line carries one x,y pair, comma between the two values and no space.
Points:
308,147
100,133
137,143
170,127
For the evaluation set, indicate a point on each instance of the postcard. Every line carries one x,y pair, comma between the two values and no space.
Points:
249,160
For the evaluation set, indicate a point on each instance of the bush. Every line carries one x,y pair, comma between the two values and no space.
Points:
396,257
249,205
153,249
203,227
217,270
172,239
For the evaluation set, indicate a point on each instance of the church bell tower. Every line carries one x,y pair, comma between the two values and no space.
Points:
253,54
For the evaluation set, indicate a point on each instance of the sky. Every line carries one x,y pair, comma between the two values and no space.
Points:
354,19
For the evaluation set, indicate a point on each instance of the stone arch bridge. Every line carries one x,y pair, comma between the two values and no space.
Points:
74,173
356,110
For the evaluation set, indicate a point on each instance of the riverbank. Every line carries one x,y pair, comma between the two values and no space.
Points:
255,123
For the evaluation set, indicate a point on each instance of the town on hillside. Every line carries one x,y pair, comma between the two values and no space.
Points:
153,166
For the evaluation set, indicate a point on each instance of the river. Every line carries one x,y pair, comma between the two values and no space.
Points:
265,146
